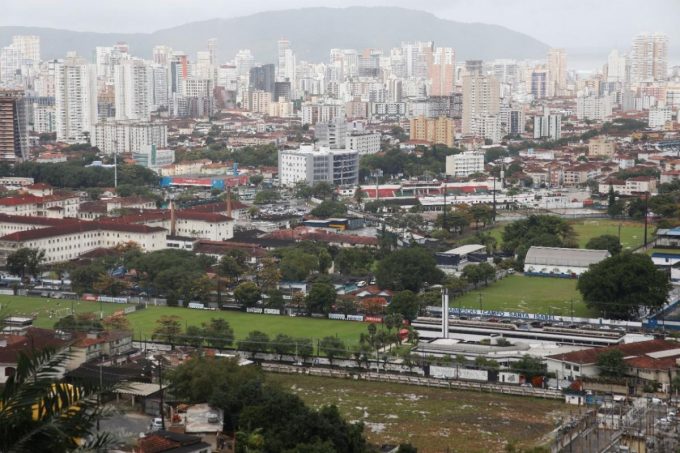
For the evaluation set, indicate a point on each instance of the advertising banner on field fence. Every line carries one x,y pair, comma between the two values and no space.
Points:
113,300
534,316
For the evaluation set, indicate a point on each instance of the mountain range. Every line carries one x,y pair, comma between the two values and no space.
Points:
312,32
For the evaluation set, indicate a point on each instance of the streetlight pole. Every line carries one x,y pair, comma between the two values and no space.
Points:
646,208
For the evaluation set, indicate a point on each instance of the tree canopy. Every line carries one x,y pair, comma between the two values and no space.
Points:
624,286
329,208
605,242
408,268
538,230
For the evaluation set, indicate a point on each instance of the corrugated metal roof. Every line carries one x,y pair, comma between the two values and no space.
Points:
556,256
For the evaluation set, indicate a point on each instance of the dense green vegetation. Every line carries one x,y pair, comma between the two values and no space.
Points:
423,161
625,286
263,416
74,174
257,156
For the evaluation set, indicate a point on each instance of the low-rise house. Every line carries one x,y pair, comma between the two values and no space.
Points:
171,442
97,345
31,339
645,361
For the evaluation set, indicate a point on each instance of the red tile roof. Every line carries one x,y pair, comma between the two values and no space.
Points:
630,350
34,339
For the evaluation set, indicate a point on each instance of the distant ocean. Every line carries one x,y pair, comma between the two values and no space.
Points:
592,60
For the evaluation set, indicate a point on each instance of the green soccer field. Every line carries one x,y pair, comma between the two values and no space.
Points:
632,233
144,321
527,294
48,311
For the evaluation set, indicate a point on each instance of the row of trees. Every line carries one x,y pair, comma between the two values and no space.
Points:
74,174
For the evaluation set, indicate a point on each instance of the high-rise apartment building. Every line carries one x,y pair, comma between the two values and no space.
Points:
128,136
212,52
516,124
28,47
332,134
616,67
649,58
481,97
162,55
659,117
442,71
262,78
433,130
596,108
557,72
133,86
13,126
75,97
547,126
286,60
259,101
539,83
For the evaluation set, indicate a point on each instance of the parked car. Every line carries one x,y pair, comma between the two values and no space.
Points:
156,424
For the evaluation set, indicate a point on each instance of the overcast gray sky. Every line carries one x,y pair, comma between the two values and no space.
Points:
572,24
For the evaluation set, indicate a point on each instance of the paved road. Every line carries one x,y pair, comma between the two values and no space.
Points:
126,427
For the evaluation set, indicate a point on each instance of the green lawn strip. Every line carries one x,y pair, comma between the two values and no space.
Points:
143,323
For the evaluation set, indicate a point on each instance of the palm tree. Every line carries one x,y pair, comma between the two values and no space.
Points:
40,412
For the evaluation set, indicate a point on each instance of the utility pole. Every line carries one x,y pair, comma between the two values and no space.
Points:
646,208
115,164
444,223
160,384
494,199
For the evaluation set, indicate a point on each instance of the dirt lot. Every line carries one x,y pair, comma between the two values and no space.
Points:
433,420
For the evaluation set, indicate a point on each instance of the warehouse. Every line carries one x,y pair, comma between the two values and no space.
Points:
561,262
461,256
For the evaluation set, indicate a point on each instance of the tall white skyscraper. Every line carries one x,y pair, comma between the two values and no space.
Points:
75,98
212,51
133,87
481,97
244,62
29,48
616,67
557,72
10,67
286,60
160,75
649,58
162,55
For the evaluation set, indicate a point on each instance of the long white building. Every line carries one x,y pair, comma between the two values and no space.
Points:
310,165
464,164
128,136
